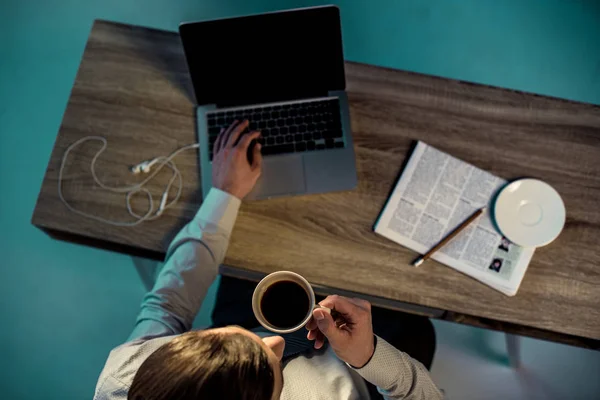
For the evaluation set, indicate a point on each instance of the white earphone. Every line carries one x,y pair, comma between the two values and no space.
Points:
145,167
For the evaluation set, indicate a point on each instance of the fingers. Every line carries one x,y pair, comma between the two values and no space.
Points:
312,324
352,309
340,304
318,338
360,303
217,145
316,335
319,341
227,133
245,141
325,323
235,133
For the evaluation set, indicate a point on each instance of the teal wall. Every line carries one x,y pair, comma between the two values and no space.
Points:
63,307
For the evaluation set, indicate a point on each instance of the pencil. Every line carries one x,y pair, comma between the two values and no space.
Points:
448,237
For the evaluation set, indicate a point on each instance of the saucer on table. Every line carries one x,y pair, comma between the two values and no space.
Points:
530,213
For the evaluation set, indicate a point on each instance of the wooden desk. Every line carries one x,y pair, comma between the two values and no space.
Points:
133,88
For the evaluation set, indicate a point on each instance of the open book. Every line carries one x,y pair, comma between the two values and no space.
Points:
434,195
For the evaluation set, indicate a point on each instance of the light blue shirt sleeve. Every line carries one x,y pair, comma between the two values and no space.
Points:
191,265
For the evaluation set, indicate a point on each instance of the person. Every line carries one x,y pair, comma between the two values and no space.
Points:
163,359
496,264
504,244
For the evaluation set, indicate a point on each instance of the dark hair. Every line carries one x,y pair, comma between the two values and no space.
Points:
203,365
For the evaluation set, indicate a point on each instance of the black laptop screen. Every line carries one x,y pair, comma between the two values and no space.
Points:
270,57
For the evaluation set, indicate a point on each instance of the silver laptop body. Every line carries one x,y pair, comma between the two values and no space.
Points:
307,142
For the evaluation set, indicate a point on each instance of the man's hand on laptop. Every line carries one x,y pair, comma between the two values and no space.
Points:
231,171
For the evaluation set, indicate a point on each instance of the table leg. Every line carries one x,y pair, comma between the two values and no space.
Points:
147,270
513,347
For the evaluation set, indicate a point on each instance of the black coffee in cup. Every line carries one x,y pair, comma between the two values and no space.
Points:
285,304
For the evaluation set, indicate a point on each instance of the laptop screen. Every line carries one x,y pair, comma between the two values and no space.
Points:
270,57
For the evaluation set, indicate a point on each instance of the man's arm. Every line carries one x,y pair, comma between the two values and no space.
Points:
396,375
191,266
194,255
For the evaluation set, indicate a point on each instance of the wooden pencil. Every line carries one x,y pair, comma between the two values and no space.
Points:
421,259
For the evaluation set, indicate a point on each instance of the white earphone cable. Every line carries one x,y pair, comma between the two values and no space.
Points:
143,167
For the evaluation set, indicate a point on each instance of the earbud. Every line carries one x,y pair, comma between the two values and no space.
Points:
144,166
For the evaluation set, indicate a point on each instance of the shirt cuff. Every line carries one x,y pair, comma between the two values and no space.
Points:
219,208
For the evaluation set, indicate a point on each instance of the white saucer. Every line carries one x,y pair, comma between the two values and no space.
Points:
530,213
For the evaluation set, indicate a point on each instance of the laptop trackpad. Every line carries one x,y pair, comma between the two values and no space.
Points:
281,176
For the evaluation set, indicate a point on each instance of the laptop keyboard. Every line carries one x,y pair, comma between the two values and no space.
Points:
286,128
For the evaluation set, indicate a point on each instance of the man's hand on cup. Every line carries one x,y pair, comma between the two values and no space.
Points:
352,339
231,171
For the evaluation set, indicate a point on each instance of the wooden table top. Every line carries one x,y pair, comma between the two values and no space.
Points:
133,88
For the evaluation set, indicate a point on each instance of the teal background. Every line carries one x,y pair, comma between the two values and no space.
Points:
63,307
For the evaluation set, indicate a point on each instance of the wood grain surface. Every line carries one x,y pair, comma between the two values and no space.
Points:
133,88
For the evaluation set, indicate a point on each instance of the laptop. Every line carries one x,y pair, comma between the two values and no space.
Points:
284,72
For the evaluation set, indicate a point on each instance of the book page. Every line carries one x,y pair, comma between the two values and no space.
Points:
435,194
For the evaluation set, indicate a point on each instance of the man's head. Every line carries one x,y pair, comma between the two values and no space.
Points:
223,363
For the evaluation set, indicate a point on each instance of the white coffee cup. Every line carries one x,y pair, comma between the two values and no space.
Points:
270,280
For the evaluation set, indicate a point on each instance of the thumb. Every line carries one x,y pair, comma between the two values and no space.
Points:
257,157
325,324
